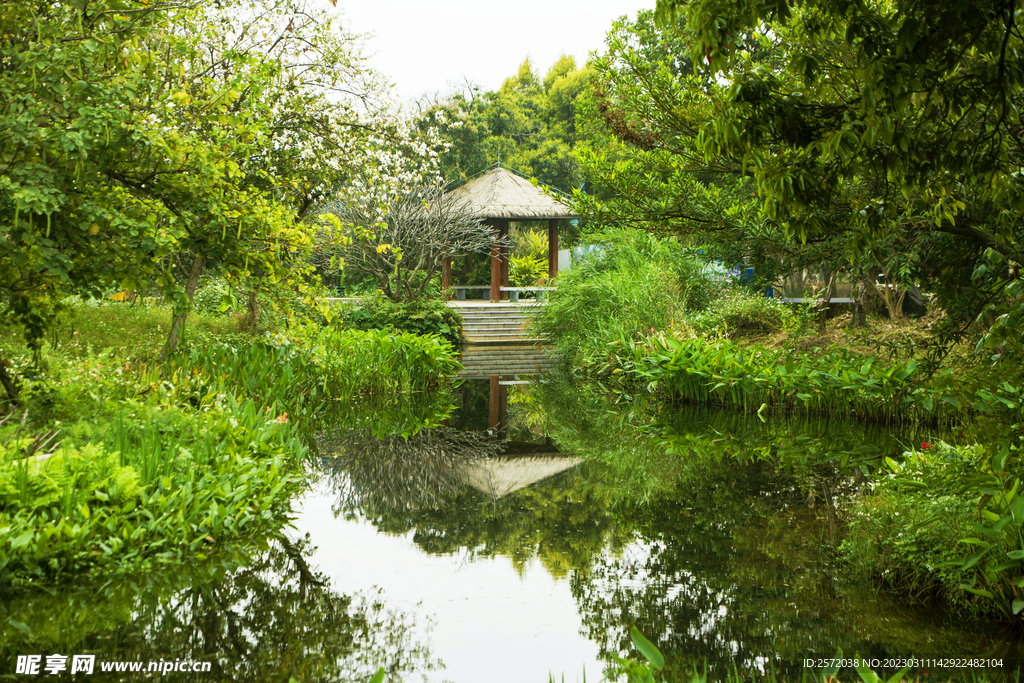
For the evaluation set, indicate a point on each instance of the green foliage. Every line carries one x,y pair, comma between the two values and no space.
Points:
993,567
384,364
169,462
719,373
640,672
907,529
126,148
528,124
424,316
740,314
141,498
947,520
527,271
789,135
630,285
529,242
213,298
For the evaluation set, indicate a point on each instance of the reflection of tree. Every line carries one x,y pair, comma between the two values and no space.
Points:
526,417
395,473
731,570
563,521
272,621
729,565
405,414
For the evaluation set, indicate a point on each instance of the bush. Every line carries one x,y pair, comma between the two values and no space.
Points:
739,313
214,298
166,462
908,530
137,496
527,271
422,316
530,242
630,284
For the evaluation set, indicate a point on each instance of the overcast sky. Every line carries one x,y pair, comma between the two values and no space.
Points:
423,46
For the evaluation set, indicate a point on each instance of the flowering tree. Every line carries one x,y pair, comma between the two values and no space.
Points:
403,239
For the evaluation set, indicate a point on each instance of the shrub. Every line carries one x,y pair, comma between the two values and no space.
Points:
527,271
214,298
422,316
138,496
169,461
530,242
630,284
739,313
908,530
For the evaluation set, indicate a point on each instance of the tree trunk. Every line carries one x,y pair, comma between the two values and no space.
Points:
9,385
178,325
253,319
824,303
867,299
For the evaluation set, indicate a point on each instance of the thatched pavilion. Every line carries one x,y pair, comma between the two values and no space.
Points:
500,196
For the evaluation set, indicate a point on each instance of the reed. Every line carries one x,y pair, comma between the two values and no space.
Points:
721,374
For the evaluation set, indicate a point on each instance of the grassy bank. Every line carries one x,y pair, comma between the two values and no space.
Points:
118,461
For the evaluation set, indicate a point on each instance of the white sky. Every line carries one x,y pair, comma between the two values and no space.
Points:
424,46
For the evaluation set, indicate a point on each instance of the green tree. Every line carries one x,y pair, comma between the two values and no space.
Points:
145,143
860,127
402,239
102,176
528,124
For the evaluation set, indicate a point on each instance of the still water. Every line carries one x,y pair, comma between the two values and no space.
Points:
517,532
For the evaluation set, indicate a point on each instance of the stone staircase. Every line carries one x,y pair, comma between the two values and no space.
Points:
501,324
484,361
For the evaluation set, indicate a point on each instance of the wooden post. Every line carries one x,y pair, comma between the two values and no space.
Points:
552,251
503,404
495,274
504,258
446,274
494,404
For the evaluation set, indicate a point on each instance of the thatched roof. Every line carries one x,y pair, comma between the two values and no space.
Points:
500,476
500,193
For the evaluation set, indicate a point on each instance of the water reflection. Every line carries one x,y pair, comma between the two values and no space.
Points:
277,619
714,533
396,473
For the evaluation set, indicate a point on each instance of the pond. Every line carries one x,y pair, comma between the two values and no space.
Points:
520,535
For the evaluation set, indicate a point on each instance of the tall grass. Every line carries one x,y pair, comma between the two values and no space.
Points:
168,461
719,373
630,285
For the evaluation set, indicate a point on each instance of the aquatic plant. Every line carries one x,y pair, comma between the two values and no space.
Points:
158,498
834,382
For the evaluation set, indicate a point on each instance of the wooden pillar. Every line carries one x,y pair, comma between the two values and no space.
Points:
502,404
504,258
495,263
552,251
446,274
494,404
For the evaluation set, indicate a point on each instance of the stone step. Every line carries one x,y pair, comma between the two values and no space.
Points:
504,340
491,334
525,363
495,318
496,327
525,357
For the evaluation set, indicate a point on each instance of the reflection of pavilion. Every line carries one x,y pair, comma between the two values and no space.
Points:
503,474
526,458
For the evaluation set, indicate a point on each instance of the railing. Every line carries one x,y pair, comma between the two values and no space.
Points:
513,292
